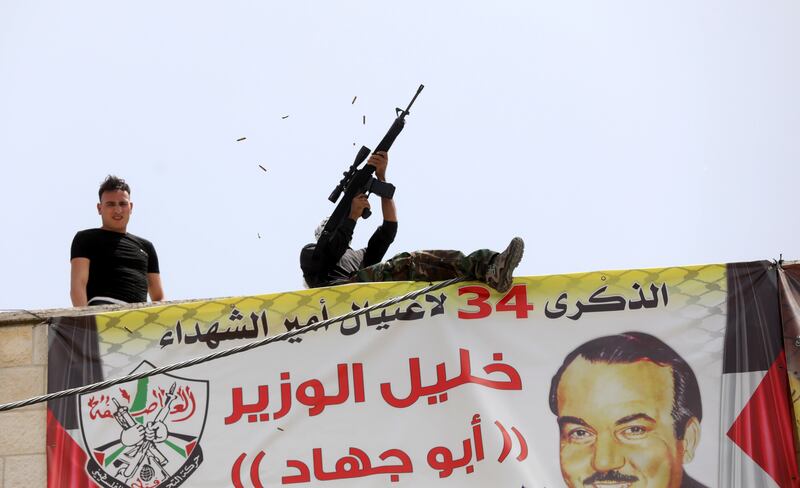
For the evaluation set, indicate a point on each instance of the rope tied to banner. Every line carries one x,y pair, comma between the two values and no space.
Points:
102,385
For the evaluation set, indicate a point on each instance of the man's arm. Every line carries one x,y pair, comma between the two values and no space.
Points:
381,161
389,210
331,251
79,277
384,235
154,287
317,260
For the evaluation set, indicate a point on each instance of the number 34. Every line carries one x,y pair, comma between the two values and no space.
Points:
516,300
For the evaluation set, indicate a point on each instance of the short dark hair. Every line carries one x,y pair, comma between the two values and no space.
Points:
631,347
112,183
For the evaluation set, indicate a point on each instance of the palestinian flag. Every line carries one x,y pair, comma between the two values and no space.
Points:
757,444
73,360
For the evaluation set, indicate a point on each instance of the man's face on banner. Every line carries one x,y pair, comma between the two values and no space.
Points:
616,426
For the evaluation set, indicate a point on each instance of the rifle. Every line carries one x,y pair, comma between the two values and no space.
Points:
147,449
357,180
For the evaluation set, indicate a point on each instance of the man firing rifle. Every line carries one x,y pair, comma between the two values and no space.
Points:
330,260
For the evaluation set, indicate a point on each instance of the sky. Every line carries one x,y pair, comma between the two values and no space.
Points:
608,135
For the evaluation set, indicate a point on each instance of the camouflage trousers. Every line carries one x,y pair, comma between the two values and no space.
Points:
436,265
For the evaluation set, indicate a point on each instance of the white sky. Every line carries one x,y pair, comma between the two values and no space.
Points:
619,134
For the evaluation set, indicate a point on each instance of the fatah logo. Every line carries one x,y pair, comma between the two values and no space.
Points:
144,433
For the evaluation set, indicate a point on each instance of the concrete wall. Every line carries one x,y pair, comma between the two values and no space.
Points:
23,374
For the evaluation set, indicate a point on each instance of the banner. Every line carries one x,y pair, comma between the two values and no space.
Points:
789,286
655,377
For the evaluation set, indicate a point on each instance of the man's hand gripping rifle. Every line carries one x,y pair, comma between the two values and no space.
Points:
357,181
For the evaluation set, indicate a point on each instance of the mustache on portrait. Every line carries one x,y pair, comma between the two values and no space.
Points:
612,476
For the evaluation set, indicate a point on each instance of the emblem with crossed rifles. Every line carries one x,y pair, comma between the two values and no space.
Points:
143,456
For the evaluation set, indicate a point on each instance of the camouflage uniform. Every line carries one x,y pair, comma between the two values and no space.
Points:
435,265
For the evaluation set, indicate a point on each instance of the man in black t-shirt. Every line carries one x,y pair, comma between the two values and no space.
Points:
109,265
334,261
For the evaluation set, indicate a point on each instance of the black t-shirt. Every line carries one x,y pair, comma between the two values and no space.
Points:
118,263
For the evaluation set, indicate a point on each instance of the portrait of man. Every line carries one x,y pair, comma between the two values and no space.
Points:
628,409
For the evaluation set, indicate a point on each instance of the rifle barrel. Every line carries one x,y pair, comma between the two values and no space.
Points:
406,111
